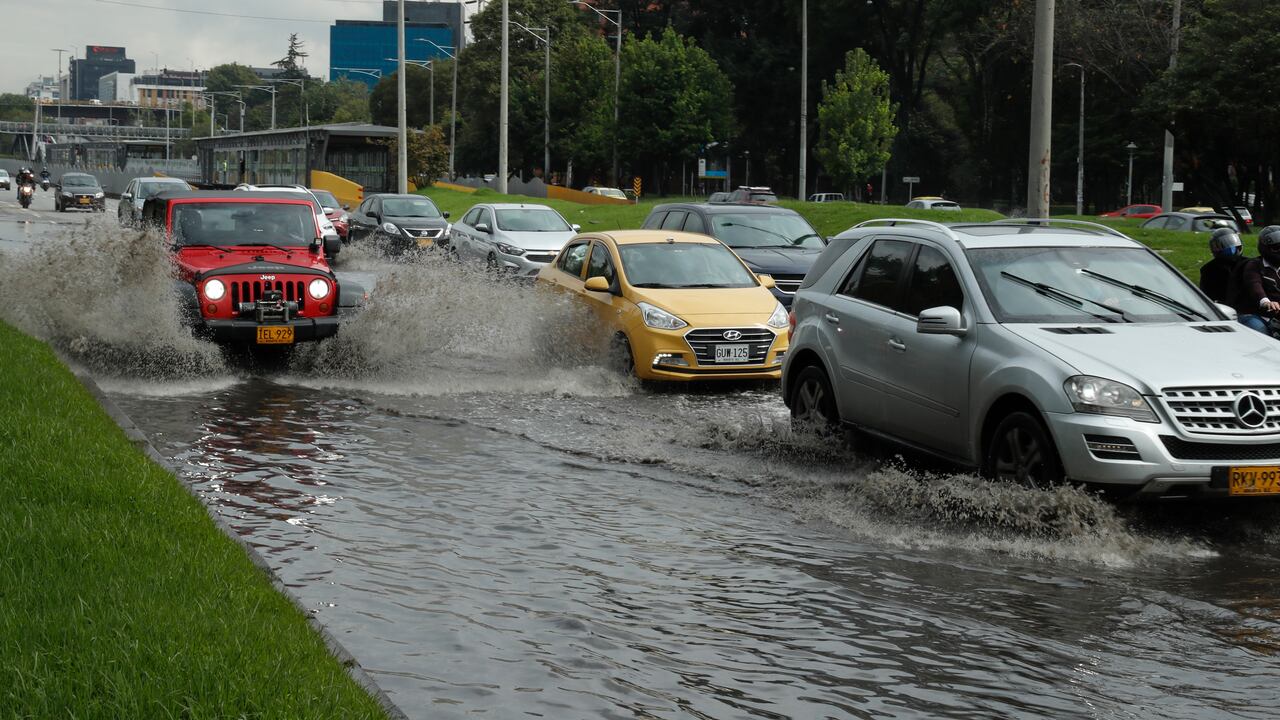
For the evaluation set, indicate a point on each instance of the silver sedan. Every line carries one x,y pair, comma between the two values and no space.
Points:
515,238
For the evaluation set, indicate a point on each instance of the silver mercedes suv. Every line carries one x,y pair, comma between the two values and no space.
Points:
1036,351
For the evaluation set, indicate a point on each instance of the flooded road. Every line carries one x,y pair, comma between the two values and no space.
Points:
496,532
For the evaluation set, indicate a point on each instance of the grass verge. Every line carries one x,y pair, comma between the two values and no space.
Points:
119,597
1186,251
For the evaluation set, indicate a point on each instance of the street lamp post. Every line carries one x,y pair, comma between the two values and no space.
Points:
265,88
1080,149
1128,199
804,95
59,80
617,72
503,100
546,111
453,101
302,93
229,93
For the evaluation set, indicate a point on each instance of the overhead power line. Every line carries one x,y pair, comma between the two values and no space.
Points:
212,12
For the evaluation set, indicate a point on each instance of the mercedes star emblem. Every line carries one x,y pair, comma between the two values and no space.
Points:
1251,410
732,335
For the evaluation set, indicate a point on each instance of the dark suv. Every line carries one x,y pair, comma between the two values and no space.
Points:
771,240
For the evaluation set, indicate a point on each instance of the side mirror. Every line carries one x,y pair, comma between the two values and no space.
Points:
576,227
125,196
944,320
316,244
332,245
1227,310
484,228
347,208
375,217
445,214
597,284
766,281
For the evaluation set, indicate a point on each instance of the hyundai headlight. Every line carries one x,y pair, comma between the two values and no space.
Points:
318,288
215,290
506,249
779,318
1100,396
656,317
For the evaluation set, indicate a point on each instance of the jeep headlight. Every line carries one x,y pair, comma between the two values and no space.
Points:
215,290
656,317
1100,396
778,319
506,249
318,288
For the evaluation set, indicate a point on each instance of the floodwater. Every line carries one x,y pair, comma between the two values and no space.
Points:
495,525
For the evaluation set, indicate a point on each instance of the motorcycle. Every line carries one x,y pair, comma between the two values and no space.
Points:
44,184
24,195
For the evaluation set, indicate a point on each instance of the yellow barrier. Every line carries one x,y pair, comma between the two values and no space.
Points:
555,192
347,192
451,186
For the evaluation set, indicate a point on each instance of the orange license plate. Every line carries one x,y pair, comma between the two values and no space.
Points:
1261,480
275,335
84,201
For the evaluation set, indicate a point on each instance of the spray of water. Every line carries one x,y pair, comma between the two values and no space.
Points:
105,298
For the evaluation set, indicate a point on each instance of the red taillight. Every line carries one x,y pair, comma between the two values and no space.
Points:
791,321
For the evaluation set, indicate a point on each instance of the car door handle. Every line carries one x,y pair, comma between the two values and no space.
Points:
897,344
832,318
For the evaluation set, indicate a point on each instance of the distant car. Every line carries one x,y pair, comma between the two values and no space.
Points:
1244,214
826,197
605,192
1198,209
1190,222
326,227
129,211
718,197
515,238
335,211
1135,211
933,203
80,191
401,222
771,240
753,195
4,180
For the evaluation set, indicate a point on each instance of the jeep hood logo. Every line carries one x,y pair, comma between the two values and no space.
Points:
267,277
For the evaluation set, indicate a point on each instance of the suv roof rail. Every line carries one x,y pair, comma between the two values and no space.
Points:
1047,222
908,221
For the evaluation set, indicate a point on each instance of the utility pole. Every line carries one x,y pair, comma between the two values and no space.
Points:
1080,148
502,102
546,115
804,95
402,149
59,81
1041,113
1166,189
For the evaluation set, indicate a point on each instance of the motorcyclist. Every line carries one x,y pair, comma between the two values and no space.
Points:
1215,275
1259,280
25,177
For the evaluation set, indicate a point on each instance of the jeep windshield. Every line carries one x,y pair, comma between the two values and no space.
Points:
409,208
1099,284
225,224
765,230
683,265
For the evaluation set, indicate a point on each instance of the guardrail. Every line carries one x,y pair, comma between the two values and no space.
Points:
123,132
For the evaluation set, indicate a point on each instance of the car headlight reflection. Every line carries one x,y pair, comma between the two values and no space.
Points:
215,290
1100,396
656,317
779,318
319,289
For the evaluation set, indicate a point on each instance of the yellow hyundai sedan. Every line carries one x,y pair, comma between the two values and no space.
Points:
679,306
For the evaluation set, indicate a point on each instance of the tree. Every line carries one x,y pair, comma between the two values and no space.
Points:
343,100
384,102
289,63
14,107
674,100
855,121
428,152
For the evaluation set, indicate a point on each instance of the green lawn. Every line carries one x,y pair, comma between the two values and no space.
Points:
1186,251
119,597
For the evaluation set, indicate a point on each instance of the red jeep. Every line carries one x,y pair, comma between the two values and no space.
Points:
251,266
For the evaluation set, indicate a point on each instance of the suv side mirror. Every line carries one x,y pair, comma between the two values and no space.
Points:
944,320
332,245
445,214
484,228
1229,311
766,281
596,284
576,227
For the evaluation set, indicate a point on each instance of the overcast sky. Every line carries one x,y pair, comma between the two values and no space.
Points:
177,38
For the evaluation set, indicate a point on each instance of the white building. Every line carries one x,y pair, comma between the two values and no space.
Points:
44,88
117,87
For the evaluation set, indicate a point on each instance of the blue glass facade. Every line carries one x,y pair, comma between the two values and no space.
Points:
366,45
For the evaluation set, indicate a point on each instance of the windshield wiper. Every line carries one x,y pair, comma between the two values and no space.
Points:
706,285
651,285
206,245
766,231
1073,301
1183,311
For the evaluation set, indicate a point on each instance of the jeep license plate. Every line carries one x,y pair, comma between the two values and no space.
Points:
84,201
275,335
1262,480
738,354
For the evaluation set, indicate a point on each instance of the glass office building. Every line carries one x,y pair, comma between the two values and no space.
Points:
365,45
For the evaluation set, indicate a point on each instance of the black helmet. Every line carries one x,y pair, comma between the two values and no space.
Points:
1224,242
1269,243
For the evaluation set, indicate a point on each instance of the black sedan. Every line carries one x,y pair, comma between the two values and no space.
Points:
399,222
79,191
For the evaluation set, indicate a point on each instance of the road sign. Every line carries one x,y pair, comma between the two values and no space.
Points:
910,180
1177,187
635,185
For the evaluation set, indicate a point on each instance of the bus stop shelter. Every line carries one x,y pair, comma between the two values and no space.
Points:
358,152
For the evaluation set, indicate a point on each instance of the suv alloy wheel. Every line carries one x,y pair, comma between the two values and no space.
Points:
813,404
1021,451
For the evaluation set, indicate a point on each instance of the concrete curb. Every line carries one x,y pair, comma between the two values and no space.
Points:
140,441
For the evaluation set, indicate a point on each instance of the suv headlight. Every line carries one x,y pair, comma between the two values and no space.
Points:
656,317
506,249
1100,396
214,290
779,318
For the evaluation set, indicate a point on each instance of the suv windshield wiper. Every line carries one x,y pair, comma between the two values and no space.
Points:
1183,311
206,245
1066,298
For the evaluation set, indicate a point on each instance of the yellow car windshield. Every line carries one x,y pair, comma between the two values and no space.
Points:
683,265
